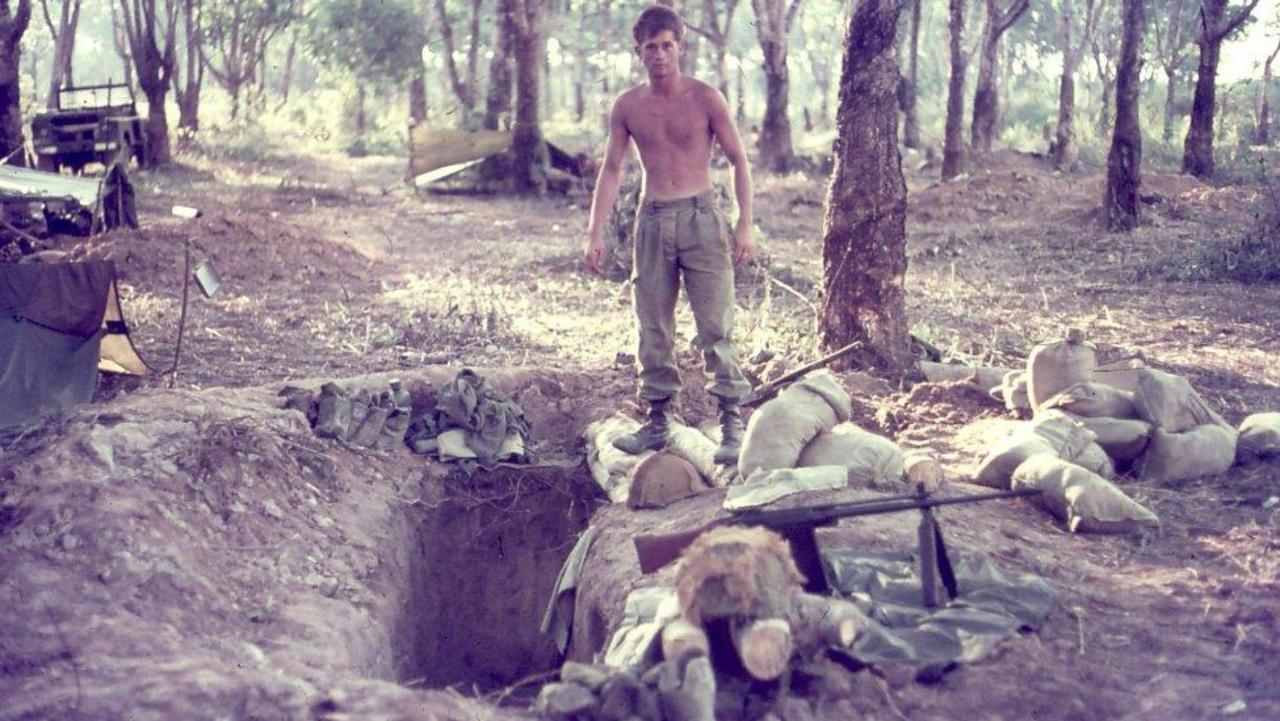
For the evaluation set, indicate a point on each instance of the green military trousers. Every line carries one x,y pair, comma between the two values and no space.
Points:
684,237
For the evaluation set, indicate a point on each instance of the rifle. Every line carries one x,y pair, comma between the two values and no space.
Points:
765,391
797,526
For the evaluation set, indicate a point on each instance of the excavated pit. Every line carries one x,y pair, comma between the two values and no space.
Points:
484,553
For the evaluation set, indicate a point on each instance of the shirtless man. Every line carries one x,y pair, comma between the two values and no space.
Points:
679,231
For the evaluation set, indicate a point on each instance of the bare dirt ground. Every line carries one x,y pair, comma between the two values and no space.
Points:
196,553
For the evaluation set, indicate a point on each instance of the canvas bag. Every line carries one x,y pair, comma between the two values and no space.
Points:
1259,437
1052,432
1087,502
1168,401
1203,451
779,429
871,460
1094,400
1124,439
1054,365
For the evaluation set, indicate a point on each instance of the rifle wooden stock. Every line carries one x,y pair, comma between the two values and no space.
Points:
658,549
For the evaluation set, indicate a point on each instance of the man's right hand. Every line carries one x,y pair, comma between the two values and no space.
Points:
593,258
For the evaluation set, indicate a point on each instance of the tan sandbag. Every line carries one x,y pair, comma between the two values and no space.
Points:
663,479
1169,402
1054,365
779,429
1122,374
1012,391
1203,451
1052,432
765,487
1124,439
1095,459
1087,502
1259,437
1094,400
696,447
921,468
872,460
986,377
997,468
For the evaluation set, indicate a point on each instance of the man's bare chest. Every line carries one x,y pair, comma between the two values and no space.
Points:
678,126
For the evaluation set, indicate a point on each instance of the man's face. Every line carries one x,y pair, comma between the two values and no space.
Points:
660,54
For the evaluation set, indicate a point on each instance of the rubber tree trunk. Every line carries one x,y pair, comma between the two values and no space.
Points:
1262,136
418,97
1197,149
953,150
13,23
864,259
156,127
773,23
986,97
1124,163
1170,97
528,149
1065,148
910,119
498,99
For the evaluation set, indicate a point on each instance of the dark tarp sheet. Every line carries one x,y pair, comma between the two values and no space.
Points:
59,323
991,605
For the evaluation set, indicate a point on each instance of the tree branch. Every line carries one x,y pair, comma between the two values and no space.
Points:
1006,19
1235,22
791,15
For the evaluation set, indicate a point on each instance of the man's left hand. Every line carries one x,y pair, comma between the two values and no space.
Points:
744,249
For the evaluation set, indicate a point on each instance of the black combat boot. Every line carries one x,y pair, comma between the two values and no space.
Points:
731,431
652,435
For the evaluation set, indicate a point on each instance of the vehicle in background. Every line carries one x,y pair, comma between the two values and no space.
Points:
91,123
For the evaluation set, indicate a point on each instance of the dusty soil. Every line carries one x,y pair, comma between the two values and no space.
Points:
196,553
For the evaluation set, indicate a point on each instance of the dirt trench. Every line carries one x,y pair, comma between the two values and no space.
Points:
201,555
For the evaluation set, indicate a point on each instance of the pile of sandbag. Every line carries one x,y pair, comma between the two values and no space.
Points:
651,479
1089,422
373,419
802,440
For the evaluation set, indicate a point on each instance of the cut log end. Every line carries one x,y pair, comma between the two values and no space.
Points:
764,646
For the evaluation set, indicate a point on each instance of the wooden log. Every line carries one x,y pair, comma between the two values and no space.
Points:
681,638
764,646
920,467
818,621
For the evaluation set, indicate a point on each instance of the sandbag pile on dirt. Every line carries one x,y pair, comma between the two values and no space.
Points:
1189,439
802,440
361,417
617,471
467,421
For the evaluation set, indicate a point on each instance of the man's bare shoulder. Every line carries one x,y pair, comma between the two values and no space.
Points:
630,97
702,91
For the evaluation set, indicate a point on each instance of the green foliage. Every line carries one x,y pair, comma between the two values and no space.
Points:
375,41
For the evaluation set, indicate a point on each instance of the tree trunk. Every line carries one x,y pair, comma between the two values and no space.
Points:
1170,95
864,258
910,120
773,23
1124,163
529,150
986,98
1197,151
186,91
151,32
741,109
13,23
63,50
461,90
156,127
1065,149
498,101
362,122
418,97
1262,136
286,78
953,150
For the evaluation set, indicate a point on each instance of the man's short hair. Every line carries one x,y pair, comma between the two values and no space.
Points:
654,20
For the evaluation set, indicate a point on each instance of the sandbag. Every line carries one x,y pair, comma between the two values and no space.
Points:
779,429
1052,432
1122,439
765,487
986,377
1259,437
1012,391
1093,400
1169,402
1095,459
872,460
1203,451
1054,365
920,468
611,468
662,479
1087,502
